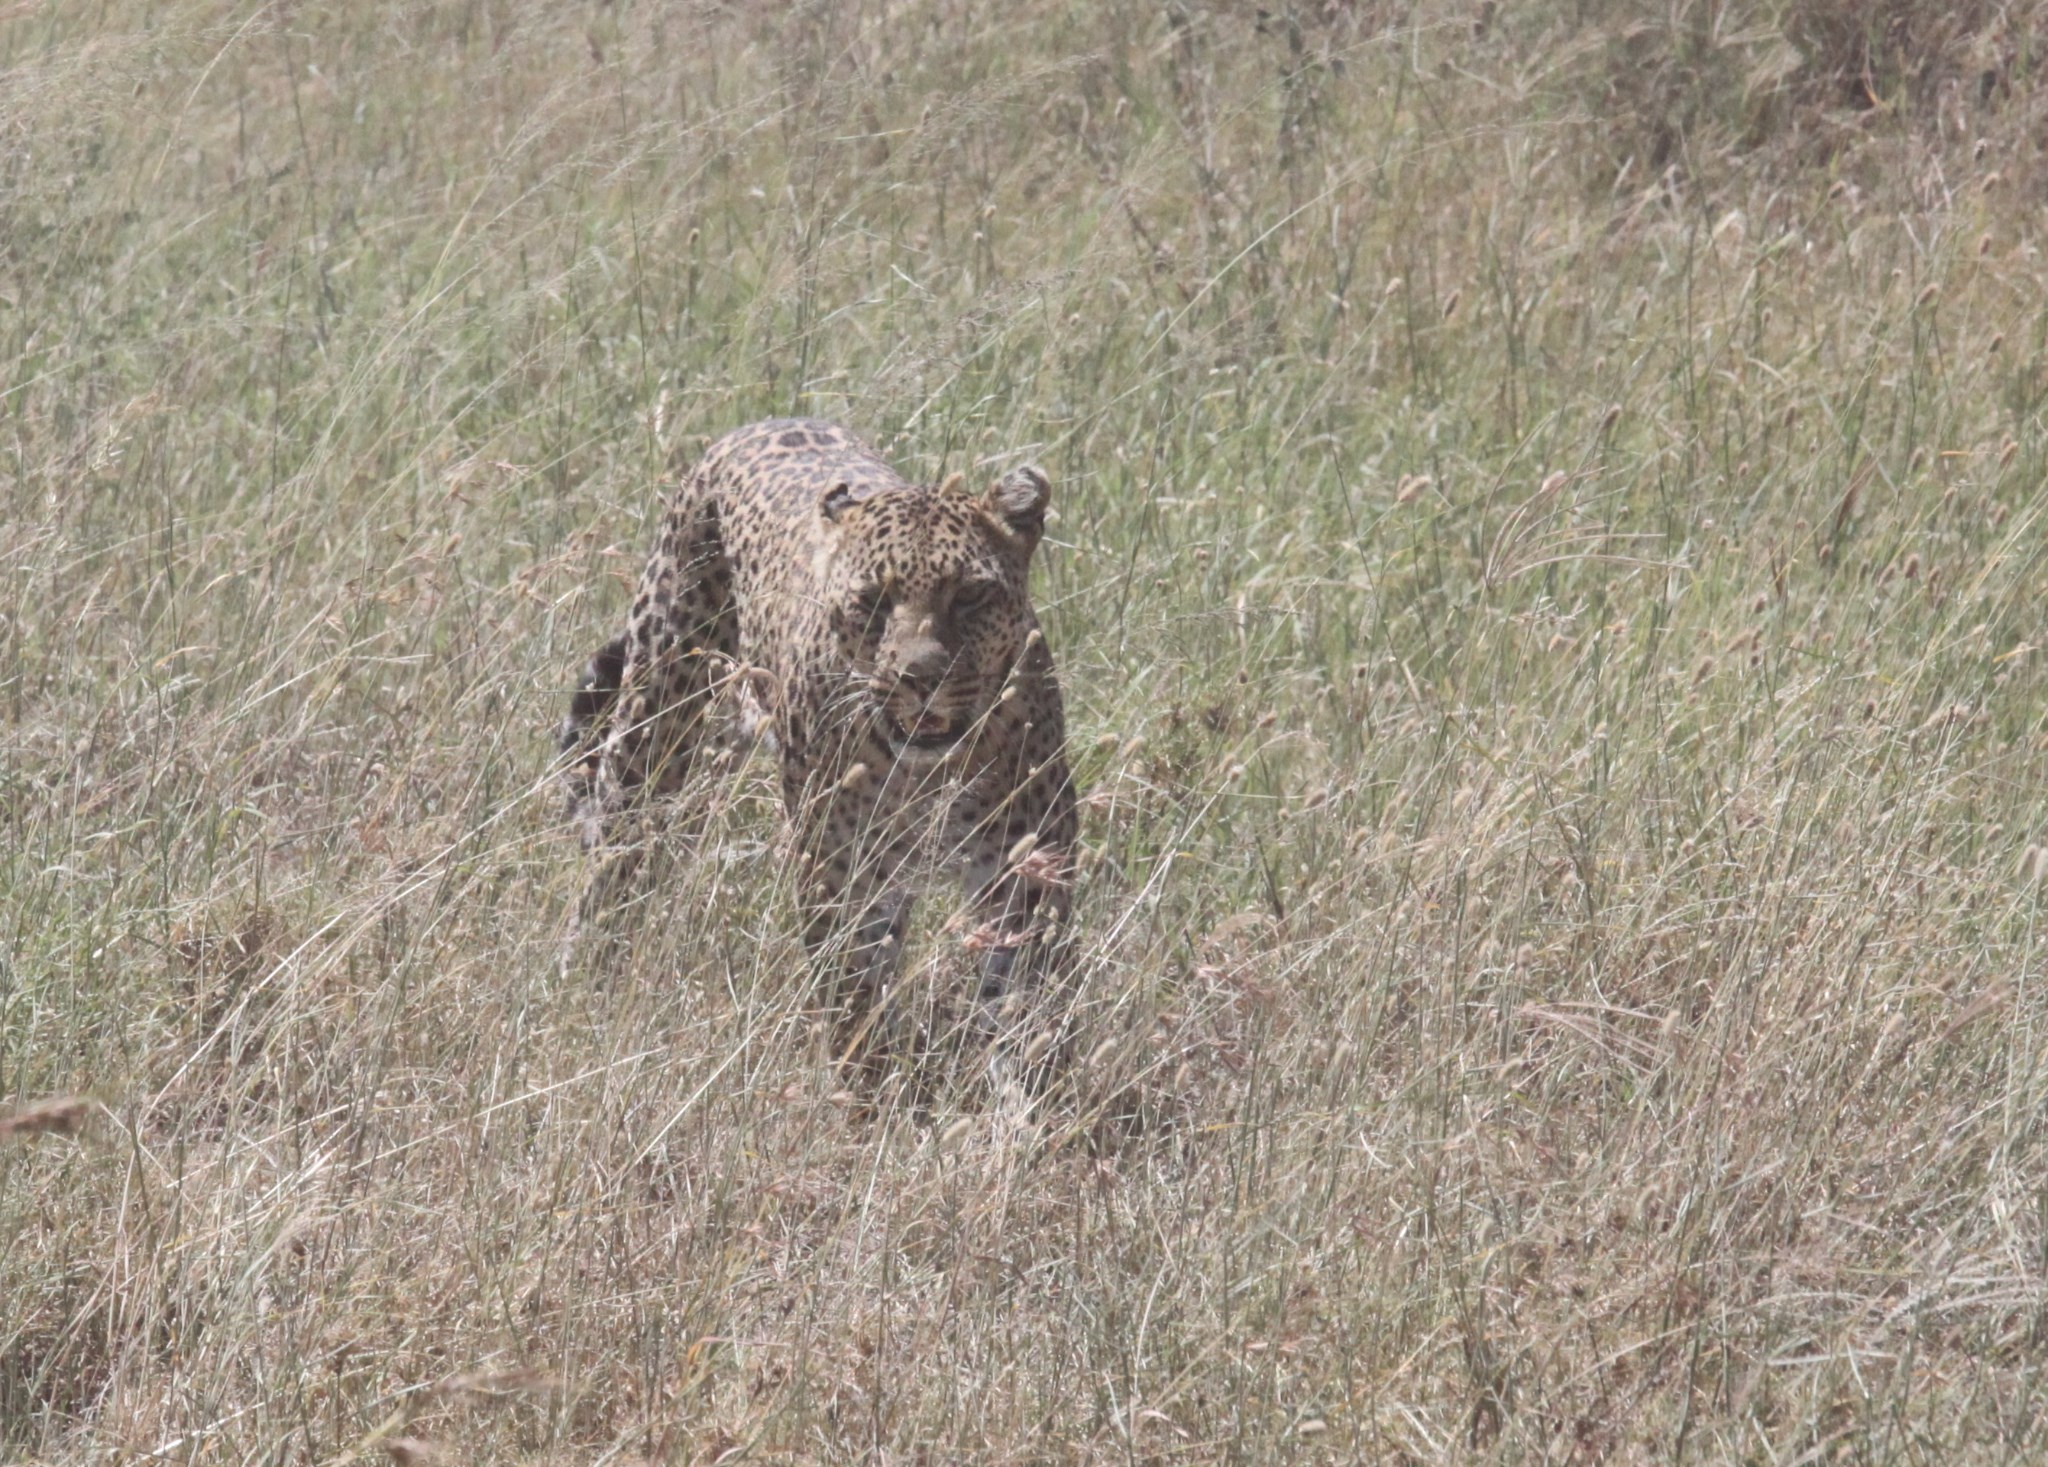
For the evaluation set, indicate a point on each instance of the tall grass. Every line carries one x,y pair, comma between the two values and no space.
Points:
1547,579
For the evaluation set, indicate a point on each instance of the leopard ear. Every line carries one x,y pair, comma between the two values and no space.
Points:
836,501
1017,502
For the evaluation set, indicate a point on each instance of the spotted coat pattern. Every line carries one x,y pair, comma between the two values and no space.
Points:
883,634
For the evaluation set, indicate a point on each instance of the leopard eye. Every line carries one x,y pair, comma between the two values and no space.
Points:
872,608
972,597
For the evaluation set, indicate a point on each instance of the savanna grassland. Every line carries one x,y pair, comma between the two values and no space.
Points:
1548,580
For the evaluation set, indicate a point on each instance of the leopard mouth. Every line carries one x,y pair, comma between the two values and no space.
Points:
928,732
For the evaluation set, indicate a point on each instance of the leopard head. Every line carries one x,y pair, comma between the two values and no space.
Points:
927,594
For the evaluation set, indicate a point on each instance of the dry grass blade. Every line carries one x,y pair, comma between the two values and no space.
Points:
519,1381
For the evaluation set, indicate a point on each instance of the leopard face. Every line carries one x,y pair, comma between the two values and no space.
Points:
928,605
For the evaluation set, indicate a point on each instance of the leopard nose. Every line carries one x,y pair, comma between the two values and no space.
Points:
922,662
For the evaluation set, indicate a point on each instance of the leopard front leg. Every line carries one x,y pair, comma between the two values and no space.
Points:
1017,843
649,739
637,721
856,910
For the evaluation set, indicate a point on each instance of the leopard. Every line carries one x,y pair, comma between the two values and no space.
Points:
879,639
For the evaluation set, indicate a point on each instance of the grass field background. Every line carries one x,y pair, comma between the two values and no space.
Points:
1548,579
